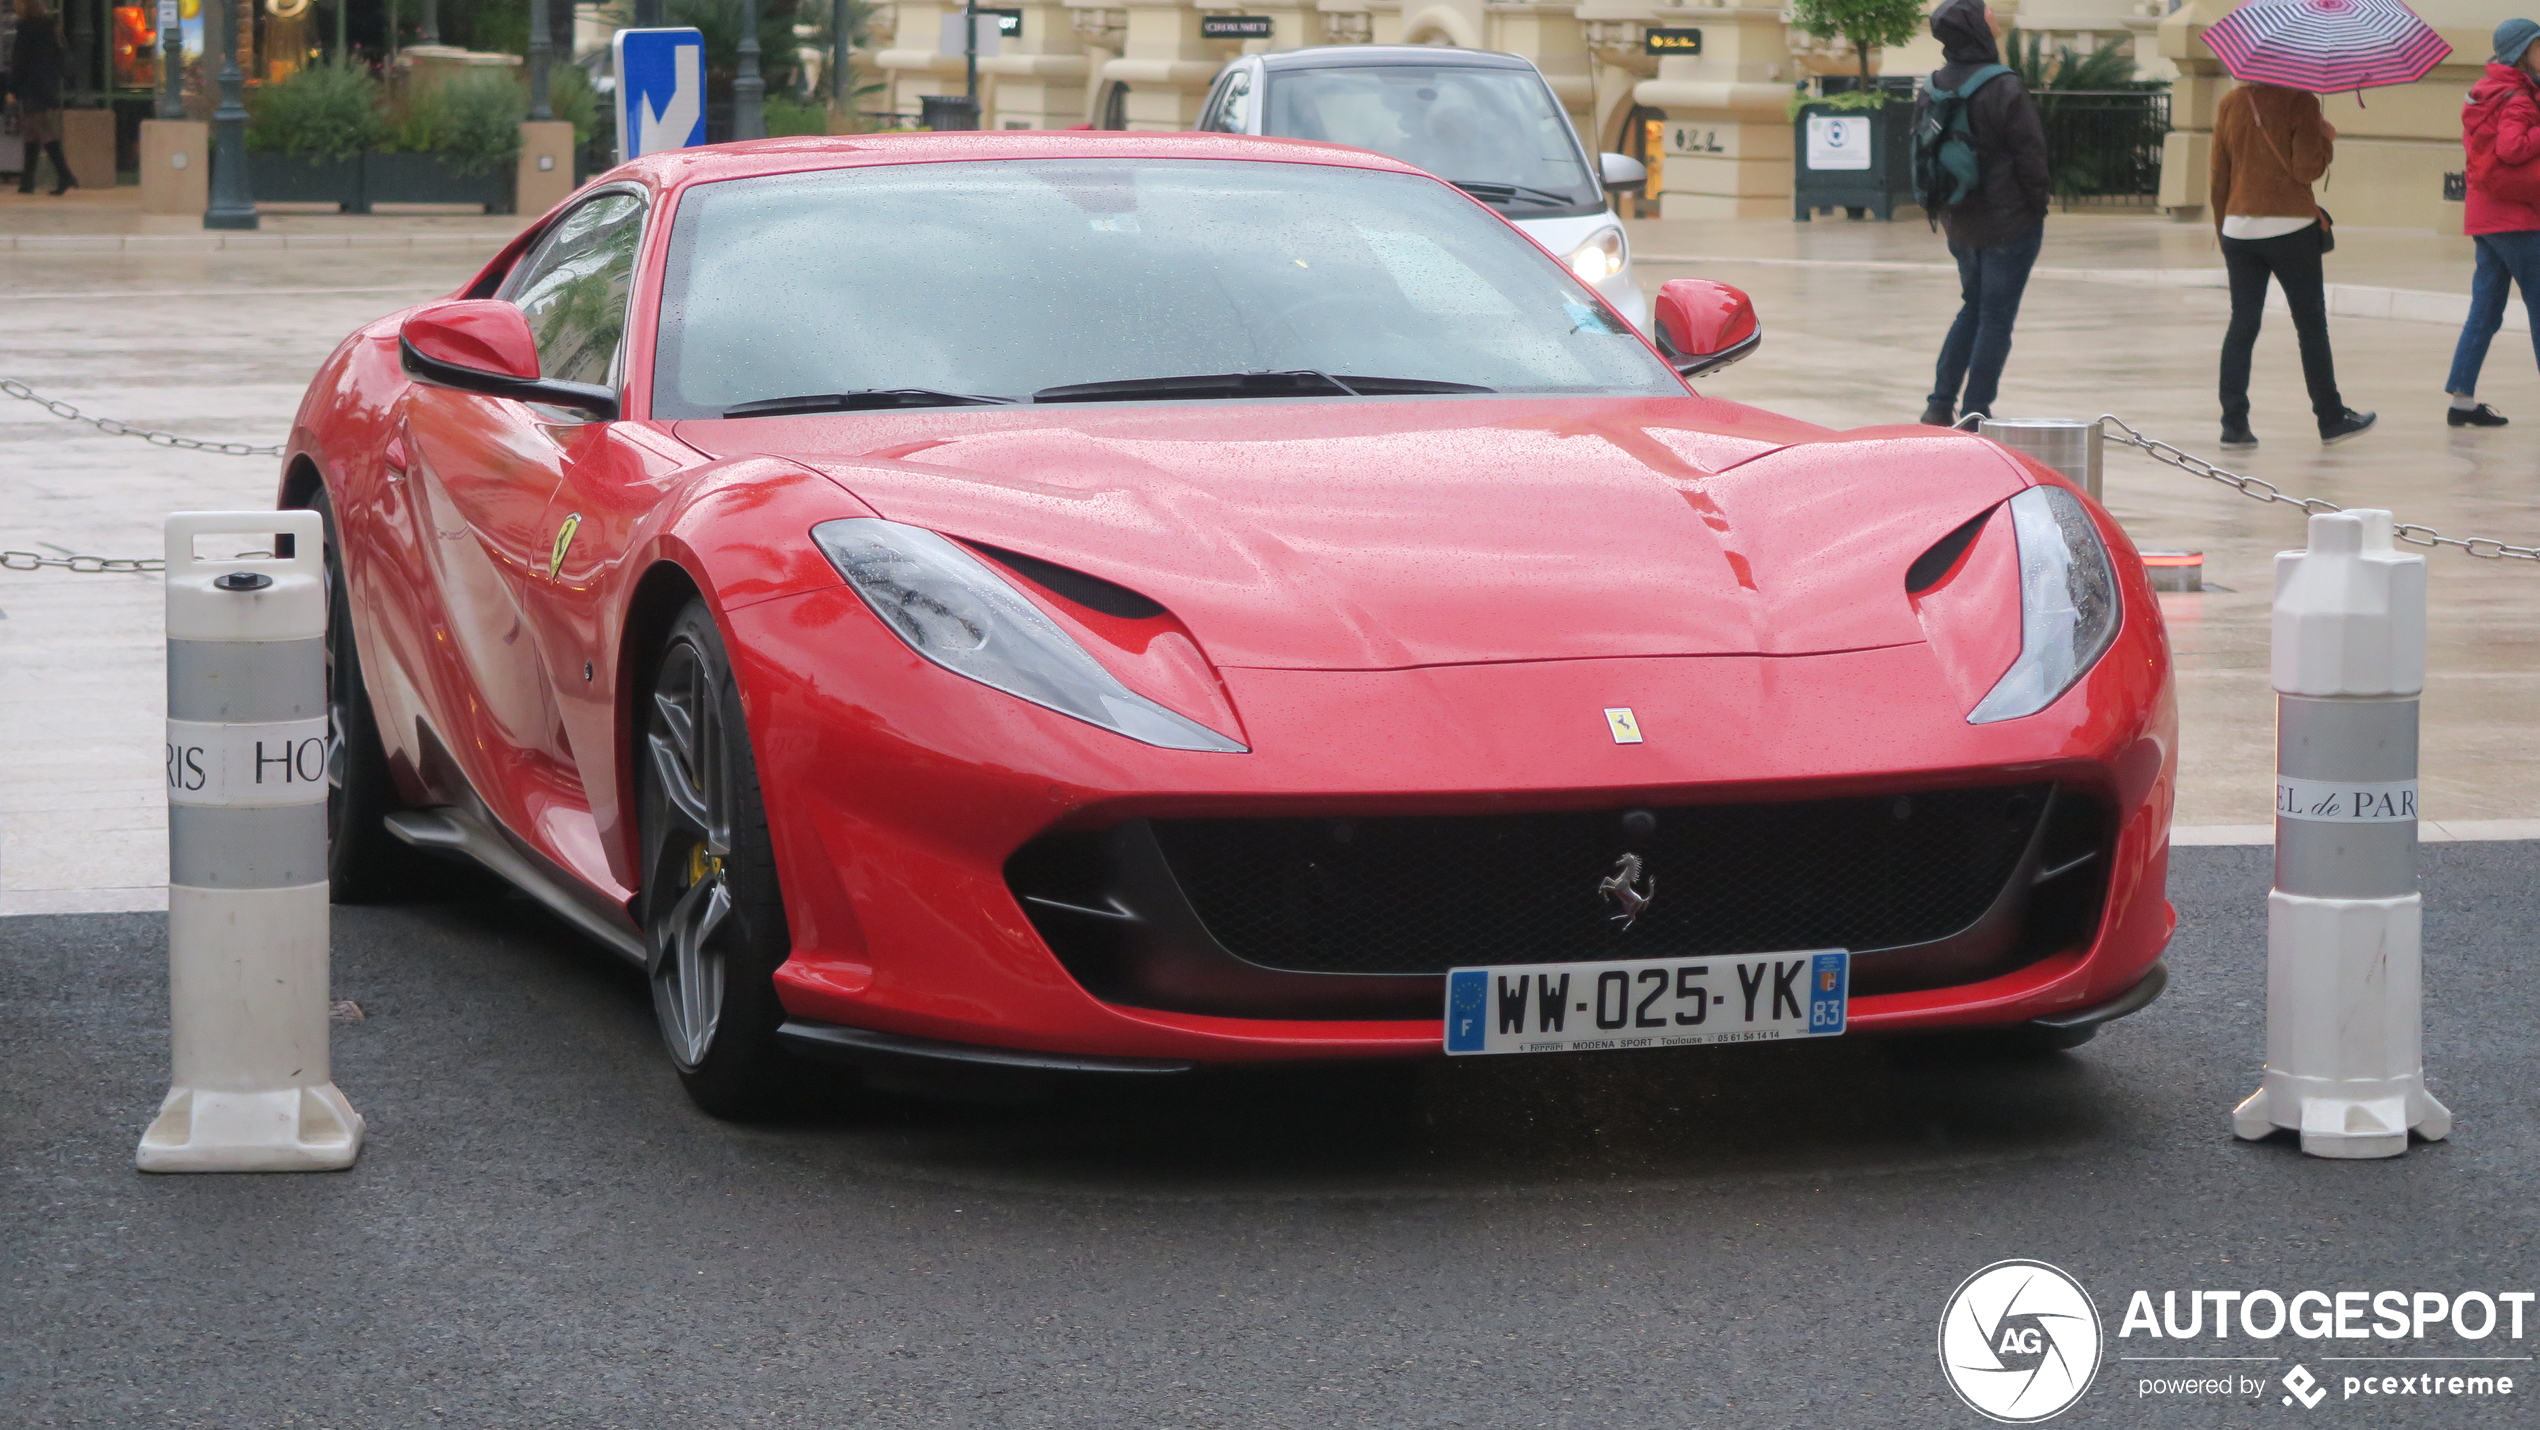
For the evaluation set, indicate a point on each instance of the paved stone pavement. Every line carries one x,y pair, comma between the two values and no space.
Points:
542,1232
219,344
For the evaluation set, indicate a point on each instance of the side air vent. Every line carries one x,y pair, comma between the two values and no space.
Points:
1929,567
1091,592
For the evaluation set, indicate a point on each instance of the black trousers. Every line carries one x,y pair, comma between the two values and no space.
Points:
2292,259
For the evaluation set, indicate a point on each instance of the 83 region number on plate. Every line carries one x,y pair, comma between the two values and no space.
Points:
1647,1002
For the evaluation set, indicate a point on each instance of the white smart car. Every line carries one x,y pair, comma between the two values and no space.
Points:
1485,122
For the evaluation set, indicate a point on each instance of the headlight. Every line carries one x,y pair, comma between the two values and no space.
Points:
953,610
1600,258
2068,604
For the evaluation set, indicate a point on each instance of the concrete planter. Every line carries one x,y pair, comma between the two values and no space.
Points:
1859,160
277,178
428,179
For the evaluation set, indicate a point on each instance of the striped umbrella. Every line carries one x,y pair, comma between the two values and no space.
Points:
2326,46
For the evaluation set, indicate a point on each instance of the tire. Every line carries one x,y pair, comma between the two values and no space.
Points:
713,916
365,864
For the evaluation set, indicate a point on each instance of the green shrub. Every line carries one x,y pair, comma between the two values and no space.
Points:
787,115
319,113
472,120
570,95
1866,25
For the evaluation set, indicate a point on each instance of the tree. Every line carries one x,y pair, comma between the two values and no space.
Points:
1866,24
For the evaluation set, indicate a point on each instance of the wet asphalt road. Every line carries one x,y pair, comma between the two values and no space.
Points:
542,1232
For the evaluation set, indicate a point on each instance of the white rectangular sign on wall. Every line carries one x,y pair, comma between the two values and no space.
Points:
1838,141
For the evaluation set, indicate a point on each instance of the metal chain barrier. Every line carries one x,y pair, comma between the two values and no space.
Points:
2484,547
85,565
111,427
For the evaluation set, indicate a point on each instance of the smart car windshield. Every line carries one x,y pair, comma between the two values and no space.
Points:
906,284
1495,132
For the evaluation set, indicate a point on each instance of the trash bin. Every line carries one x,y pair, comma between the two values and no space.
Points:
948,111
2068,444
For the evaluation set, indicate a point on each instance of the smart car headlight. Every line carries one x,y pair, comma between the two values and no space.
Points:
1600,258
953,610
2068,604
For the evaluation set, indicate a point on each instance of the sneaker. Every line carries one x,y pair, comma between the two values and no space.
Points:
1937,415
2351,424
2480,416
2237,437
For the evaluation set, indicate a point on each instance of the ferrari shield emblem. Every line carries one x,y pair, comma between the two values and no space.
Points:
564,543
1624,724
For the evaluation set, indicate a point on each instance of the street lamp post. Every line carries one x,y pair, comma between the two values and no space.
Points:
430,22
171,61
749,120
648,14
970,55
542,52
233,205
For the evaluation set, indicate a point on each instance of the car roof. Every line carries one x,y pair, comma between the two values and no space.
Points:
713,163
1364,56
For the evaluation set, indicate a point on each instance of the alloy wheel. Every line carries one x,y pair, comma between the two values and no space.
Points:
692,769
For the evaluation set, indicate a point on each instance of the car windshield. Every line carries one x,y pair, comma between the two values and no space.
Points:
1497,131
904,284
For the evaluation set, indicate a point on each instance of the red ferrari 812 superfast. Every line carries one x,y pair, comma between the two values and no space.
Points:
1123,603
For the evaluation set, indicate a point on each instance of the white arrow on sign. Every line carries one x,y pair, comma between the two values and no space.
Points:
670,126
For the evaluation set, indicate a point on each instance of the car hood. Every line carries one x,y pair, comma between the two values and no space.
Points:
1360,535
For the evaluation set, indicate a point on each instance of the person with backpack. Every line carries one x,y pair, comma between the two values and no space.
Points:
2500,127
1980,174
2270,145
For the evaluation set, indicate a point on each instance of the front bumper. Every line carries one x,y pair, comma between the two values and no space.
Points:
900,795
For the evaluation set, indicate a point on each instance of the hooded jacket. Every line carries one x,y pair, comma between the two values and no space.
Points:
2500,127
2010,140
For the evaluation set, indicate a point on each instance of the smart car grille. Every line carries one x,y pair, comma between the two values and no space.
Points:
1420,895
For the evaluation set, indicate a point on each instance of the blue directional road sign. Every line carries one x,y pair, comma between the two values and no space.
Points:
661,90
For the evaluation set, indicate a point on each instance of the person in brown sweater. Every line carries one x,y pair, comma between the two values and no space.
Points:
2270,145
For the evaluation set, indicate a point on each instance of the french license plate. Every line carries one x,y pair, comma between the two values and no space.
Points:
1647,1002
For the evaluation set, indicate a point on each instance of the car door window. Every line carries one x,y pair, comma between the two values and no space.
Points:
1232,110
574,289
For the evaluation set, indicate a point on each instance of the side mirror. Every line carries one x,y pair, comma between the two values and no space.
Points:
1704,326
1621,171
483,345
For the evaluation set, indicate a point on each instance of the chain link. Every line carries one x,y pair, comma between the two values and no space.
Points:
85,565
2486,548
113,428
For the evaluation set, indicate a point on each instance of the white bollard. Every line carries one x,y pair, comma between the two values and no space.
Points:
247,756
2345,1057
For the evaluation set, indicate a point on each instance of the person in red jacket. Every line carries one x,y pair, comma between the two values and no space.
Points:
2500,127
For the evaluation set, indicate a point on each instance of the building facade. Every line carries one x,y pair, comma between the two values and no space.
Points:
1716,118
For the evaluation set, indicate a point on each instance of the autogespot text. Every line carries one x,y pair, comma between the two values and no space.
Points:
2415,1345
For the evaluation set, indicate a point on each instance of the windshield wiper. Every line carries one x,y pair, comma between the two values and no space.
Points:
1300,382
1496,193
864,400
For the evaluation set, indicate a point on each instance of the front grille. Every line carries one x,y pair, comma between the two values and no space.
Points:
1421,895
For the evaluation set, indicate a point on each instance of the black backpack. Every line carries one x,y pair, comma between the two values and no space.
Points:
1946,170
